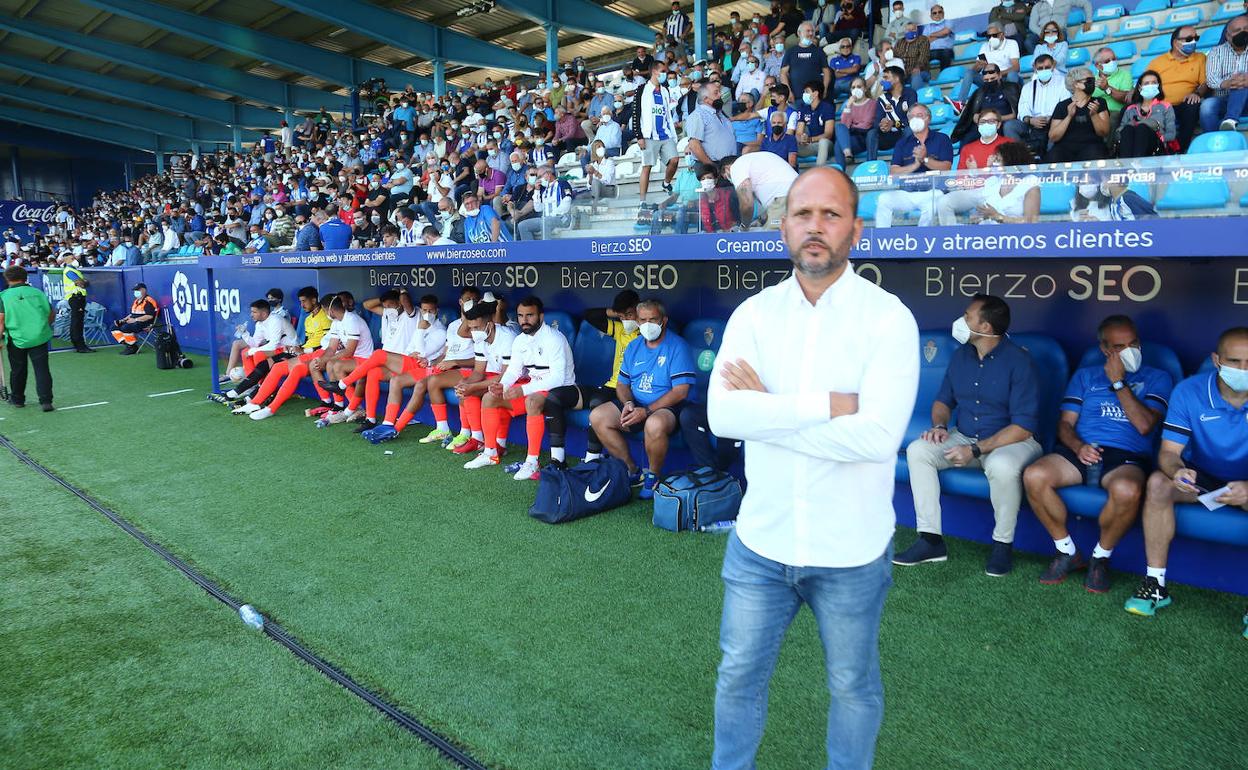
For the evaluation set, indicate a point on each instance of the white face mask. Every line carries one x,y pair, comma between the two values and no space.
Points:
630,326
479,335
390,314
917,125
1131,359
1089,190
708,185
857,93
467,305
601,152
650,330
138,294
961,331
428,317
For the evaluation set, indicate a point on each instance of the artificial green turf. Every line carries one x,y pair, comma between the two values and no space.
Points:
595,644
113,659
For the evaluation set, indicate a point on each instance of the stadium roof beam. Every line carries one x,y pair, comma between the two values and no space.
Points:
130,117
241,84
300,57
582,16
168,99
144,141
410,34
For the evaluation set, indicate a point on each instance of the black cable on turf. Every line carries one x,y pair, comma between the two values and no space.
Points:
271,629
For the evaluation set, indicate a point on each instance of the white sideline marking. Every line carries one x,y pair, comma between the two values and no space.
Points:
80,406
169,393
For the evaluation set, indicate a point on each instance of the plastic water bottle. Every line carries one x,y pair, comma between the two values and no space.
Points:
250,617
719,527
1094,470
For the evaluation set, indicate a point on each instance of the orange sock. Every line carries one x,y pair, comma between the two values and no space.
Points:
363,370
439,411
372,393
392,413
271,382
490,419
463,416
403,420
535,427
504,425
354,398
288,386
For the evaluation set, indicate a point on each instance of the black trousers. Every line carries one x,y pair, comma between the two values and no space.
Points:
78,317
565,398
20,361
1186,116
696,430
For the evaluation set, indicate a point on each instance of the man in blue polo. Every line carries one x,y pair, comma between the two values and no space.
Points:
992,383
922,150
1109,416
655,377
1204,448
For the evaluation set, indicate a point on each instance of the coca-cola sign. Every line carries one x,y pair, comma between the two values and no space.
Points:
21,215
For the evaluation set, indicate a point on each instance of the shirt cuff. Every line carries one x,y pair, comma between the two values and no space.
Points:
813,408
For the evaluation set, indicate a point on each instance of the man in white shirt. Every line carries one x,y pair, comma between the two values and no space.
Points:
1038,100
822,410
541,360
274,333
999,50
761,176
654,124
492,342
553,202
351,344
400,319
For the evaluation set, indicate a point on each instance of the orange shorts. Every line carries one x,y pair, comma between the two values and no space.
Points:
517,404
416,370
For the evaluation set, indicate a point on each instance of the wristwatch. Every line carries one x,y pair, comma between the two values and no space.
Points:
976,452
1118,385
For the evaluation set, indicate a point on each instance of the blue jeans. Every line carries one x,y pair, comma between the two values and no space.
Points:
1215,109
761,598
856,140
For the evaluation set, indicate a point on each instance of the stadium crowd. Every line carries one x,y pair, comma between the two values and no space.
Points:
497,162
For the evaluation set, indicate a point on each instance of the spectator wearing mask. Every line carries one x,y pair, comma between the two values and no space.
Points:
126,254
654,123
998,51
999,198
760,177
490,182
749,130
401,183
257,243
1226,74
365,233
752,78
1000,96
915,51
780,142
1182,71
1109,201
824,18
1038,100
893,105
845,65
1011,17
335,234
987,138
710,134
851,21
895,25
1056,11
774,59
816,123
307,234
805,61
918,152
610,133
1147,126
940,34
1079,124
439,187
600,172
481,223
568,133
1113,84
519,203
1053,43
553,204
686,193
450,221
857,130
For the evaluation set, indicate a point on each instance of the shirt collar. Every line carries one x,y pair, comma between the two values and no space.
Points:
831,297
1216,399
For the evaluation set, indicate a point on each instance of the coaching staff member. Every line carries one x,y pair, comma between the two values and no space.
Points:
26,323
822,409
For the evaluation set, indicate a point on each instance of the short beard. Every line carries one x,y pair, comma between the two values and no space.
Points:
835,262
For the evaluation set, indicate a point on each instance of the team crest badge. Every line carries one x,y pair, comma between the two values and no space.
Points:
555,324
706,360
929,351
708,334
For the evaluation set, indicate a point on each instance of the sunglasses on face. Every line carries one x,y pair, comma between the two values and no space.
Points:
1187,39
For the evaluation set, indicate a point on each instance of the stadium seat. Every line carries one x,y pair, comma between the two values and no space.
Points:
1097,33
942,113
871,172
1157,46
1244,200
1075,17
1108,12
562,322
1186,17
1209,38
1218,141
929,95
1150,6
1079,57
1195,194
970,36
1185,3
950,75
1025,63
704,336
1056,198
1054,373
936,348
867,203
1124,49
1139,68
594,354
1134,26
1228,11
1154,354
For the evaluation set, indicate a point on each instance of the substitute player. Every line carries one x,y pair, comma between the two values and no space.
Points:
492,343
316,323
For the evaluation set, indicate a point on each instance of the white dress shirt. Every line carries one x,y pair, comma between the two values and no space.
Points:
820,489
545,357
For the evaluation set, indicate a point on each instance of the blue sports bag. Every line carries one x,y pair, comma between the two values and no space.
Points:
588,488
688,501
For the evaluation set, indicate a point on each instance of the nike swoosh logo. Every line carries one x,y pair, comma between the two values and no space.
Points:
592,497
1210,417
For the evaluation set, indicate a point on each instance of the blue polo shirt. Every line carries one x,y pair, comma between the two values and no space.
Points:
939,147
1214,434
652,372
1101,418
816,118
992,393
336,234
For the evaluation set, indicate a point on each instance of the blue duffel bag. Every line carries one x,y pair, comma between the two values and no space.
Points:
588,488
689,501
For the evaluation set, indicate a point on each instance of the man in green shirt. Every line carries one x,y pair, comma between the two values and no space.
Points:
26,322
1113,84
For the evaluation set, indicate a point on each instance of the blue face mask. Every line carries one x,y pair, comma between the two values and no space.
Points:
1235,379
807,98
1150,90
911,35
1044,76
1188,48
886,83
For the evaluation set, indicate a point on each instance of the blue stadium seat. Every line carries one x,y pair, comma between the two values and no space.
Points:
929,95
1228,11
1054,373
1096,34
1124,49
1154,354
1133,26
1209,38
1157,46
561,321
594,354
1075,17
950,75
867,203
1078,57
936,348
1195,194
1185,17
1108,12
1150,6
1025,63
957,161
967,36
872,171
1244,200
704,336
942,113
1218,141
1185,3
1139,68
1056,198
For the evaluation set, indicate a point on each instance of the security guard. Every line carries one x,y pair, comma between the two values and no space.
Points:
75,284
143,313
26,322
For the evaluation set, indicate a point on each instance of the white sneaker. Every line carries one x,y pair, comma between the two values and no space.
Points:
528,471
248,408
1228,125
261,414
342,415
231,394
483,460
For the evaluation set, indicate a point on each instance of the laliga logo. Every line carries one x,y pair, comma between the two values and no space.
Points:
188,297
